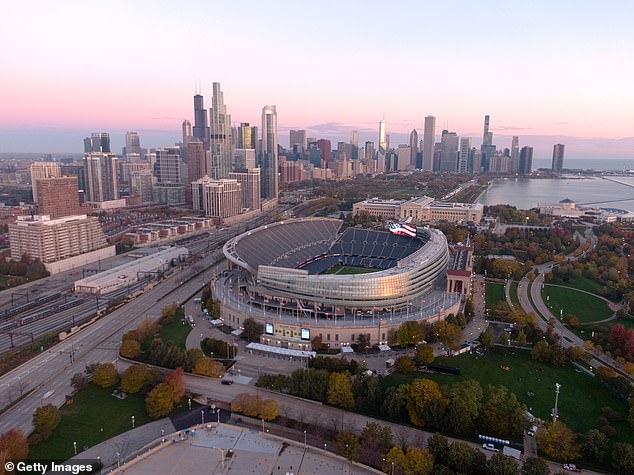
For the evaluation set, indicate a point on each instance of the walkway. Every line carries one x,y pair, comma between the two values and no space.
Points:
507,294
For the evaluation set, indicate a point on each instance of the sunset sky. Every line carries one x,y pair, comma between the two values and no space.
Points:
561,68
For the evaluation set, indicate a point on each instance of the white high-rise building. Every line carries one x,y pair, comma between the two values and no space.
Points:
449,143
101,176
220,135
428,143
250,186
404,154
413,145
268,157
382,152
217,198
463,155
41,170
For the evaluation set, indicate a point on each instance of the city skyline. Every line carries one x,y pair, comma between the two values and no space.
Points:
45,94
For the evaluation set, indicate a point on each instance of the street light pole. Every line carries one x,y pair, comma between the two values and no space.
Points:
202,416
118,460
132,422
304,440
555,410
75,447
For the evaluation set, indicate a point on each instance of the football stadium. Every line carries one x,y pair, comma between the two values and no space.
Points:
303,278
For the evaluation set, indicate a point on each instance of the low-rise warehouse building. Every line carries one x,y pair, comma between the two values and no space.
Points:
131,272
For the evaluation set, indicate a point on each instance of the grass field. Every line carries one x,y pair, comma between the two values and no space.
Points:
514,298
580,400
176,332
94,416
583,283
348,270
586,308
494,294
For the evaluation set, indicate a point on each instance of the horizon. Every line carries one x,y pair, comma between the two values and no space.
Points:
322,73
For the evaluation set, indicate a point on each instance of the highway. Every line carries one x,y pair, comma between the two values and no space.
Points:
99,342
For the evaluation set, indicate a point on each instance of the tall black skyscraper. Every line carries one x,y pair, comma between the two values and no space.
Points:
201,127
558,157
526,160
97,142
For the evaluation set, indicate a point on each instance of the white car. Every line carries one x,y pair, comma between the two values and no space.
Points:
490,447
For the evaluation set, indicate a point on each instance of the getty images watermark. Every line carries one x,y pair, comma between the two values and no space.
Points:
74,467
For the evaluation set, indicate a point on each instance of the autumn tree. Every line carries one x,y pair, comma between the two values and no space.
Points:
465,399
130,348
424,354
501,414
487,338
500,464
206,366
105,375
623,457
78,381
340,390
13,443
410,333
558,442
535,466
449,334
160,401
134,378
268,409
404,365
415,461
418,397
595,445
175,381
45,420
438,445
251,330
347,445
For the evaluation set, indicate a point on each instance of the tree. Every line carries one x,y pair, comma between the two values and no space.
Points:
595,445
460,457
206,366
347,445
375,440
316,343
629,367
340,390
541,352
105,375
535,466
252,330
558,442
418,397
449,334
404,365
14,444
175,381
623,457
465,399
418,461
521,338
394,460
487,338
502,414
363,342
424,354
505,340
558,356
438,445
45,420
78,381
130,348
160,401
268,410
134,378
410,333
500,464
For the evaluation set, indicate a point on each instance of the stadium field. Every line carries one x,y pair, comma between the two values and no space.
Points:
347,270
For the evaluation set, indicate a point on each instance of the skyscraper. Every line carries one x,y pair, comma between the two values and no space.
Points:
354,138
187,130
201,130
41,170
515,154
217,198
101,177
195,164
558,157
449,152
463,156
326,150
57,197
428,143
220,135
249,186
268,157
169,187
487,148
413,145
132,144
297,137
526,160
97,142
382,151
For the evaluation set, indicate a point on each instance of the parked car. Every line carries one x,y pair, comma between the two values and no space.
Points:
226,381
490,447
571,467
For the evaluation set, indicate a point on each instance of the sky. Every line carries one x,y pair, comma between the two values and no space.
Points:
543,70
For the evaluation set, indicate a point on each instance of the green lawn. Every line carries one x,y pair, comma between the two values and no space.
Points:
585,307
580,400
494,294
583,283
514,298
347,270
176,332
94,416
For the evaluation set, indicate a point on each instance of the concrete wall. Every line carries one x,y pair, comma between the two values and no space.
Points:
80,260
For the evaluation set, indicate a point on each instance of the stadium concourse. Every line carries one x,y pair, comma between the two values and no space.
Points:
281,275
